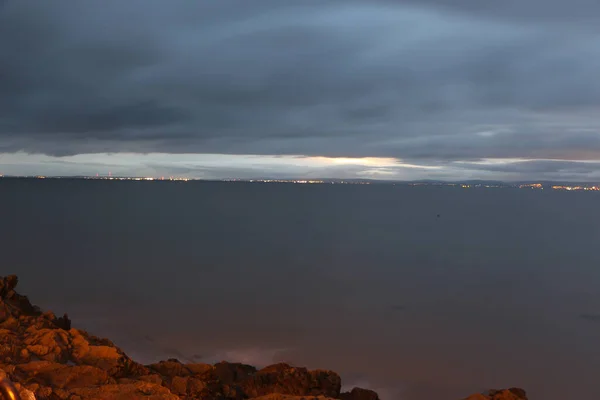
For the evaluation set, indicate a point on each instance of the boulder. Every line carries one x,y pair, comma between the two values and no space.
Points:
102,356
47,344
230,373
170,368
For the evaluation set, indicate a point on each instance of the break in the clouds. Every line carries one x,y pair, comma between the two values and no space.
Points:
437,86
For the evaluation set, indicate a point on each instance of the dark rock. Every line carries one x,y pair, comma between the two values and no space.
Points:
279,396
7,286
170,368
230,373
285,379
14,300
518,392
359,394
132,369
63,322
507,394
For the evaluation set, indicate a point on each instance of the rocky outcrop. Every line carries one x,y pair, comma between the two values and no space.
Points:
288,397
281,378
46,357
360,394
508,394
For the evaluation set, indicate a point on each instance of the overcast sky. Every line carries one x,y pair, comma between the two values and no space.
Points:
380,88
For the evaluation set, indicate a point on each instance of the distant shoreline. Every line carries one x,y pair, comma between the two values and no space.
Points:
559,186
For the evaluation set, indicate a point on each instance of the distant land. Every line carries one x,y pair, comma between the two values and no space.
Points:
540,185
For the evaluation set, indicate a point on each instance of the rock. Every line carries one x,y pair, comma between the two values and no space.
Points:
64,322
131,369
170,368
200,369
5,313
10,347
285,379
7,286
230,373
102,356
359,394
133,391
179,385
47,344
25,393
61,376
288,397
199,388
60,393
507,394
195,387
13,299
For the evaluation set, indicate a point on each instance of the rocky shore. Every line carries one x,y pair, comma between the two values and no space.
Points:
48,359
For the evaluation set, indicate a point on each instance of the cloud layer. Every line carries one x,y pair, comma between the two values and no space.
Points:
426,82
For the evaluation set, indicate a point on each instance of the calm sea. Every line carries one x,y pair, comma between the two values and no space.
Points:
502,289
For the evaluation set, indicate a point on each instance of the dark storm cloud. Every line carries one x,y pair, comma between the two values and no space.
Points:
427,81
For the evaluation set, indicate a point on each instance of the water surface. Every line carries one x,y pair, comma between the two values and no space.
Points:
503,289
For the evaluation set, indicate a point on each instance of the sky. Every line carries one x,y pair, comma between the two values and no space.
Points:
382,89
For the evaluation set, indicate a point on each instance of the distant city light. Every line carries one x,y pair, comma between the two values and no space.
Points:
532,186
539,186
569,188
